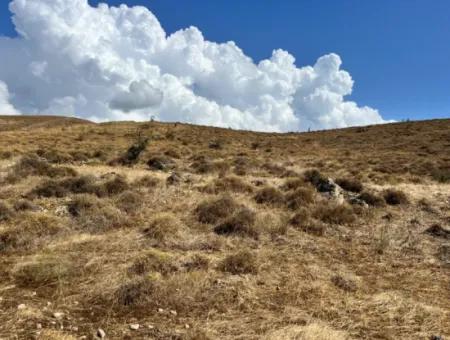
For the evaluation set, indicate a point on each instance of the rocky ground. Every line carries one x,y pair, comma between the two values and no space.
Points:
172,231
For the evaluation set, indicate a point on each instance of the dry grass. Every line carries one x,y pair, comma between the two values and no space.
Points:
208,233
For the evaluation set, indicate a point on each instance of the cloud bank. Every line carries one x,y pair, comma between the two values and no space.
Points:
117,63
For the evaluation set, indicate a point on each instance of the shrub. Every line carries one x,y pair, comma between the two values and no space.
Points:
441,175
242,224
153,261
134,292
352,185
161,163
54,156
314,177
95,215
334,214
129,201
293,184
147,182
302,220
162,226
371,199
42,270
211,211
216,144
299,198
61,188
269,195
115,186
132,155
242,262
229,183
35,166
5,212
395,197
196,262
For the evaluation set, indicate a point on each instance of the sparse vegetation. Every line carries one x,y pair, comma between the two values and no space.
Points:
251,235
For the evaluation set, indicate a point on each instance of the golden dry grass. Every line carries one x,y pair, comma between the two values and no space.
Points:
240,244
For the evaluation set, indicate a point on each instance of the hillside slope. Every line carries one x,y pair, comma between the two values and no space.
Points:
211,233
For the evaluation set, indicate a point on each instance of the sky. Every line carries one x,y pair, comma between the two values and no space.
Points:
395,63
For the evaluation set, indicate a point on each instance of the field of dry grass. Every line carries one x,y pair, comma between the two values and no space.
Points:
173,231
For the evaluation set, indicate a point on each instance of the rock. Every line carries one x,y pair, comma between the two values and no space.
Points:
134,326
160,310
21,306
150,327
173,312
173,179
38,326
331,190
101,333
58,315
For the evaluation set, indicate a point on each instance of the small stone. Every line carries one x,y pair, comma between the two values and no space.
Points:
21,306
33,294
101,333
75,328
160,310
58,315
39,326
150,327
187,326
134,326
173,312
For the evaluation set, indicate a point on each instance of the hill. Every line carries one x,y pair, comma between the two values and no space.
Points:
174,231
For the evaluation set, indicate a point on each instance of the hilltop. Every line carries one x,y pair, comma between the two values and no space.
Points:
174,231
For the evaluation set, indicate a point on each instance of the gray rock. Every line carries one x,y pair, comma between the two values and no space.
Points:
100,333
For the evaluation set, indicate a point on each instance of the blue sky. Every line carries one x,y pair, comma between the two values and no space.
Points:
398,52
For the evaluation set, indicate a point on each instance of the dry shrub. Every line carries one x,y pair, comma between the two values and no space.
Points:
162,227
5,155
35,166
314,177
173,153
94,214
162,163
334,214
269,195
204,166
43,270
299,198
196,262
132,155
302,221
395,197
312,331
293,184
153,261
30,230
53,156
114,186
6,212
147,182
189,293
372,199
130,201
242,262
441,175
241,224
348,184
211,211
229,183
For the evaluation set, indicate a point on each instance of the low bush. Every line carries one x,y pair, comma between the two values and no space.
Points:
299,198
211,211
130,201
43,270
196,262
162,226
5,211
242,262
241,224
441,175
371,199
395,197
228,183
147,182
132,155
25,205
162,163
153,261
352,185
334,214
269,195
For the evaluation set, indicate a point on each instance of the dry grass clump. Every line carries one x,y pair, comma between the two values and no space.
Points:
299,198
293,184
135,292
130,201
196,262
162,163
43,270
314,177
153,261
51,334
147,182
269,195
303,221
242,224
344,283
162,226
95,215
441,175
312,331
35,166
352,185
395,197
53,156
211,211
30,230
242,262
334,214
114,186
372,199
134,151
6,212
228,183
24,205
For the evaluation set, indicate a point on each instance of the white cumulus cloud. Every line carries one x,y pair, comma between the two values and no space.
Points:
118,63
